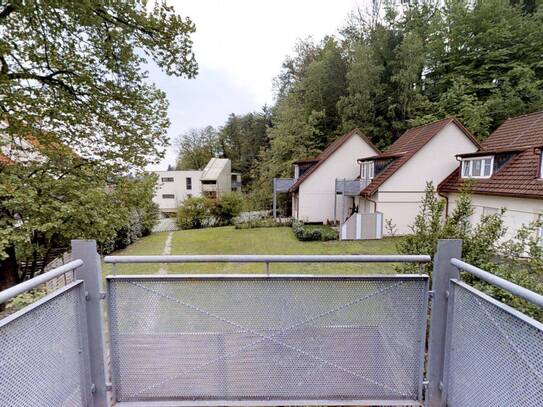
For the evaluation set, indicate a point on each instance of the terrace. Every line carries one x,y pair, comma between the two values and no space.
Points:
288,339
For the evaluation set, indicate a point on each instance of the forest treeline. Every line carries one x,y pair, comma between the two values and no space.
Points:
397,65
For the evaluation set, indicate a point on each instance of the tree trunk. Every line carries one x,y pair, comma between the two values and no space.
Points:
9,275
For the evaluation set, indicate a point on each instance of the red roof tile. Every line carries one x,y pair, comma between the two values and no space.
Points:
407,146
520,175
522,131
327,152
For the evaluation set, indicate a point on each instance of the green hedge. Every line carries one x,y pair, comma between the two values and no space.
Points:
261,223
313,232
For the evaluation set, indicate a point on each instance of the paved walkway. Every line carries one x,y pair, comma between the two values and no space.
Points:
166,225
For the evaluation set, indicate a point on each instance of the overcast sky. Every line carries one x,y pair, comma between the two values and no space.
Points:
239,46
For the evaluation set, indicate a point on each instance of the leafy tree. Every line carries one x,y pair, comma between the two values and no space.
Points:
197,147
74,89
242,137
490,47
322,86
291,137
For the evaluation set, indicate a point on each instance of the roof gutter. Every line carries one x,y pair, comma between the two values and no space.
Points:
446,198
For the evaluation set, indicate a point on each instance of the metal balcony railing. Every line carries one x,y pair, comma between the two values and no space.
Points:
209,187
179,340
351,187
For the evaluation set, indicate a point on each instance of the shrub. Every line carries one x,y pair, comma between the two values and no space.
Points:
194,213
313,232
261,223
518,260
227,208
25,299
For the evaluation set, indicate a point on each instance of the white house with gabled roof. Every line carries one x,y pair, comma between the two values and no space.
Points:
313,192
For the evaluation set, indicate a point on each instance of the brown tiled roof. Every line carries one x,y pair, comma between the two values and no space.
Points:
328,151
407,146
522,131
520,175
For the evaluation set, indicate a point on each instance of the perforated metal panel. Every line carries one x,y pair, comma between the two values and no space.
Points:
42,353
495,354
284,338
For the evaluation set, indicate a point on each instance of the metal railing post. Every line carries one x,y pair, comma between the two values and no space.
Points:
274,198
442,273
91,275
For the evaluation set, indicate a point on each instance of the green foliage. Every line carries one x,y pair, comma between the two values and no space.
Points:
76,69
519,260
78,113
197,147
194,213
313,232
261,223
199,212
479,242
227,208
25,299
241,139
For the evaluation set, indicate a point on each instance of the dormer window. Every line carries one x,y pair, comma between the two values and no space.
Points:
479,167
367,170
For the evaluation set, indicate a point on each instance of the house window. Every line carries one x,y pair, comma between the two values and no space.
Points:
367,170
167,179
189,183
480,167
168,196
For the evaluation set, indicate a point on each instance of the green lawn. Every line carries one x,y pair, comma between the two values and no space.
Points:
278,240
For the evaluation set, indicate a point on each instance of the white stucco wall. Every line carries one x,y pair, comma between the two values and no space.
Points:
177,188
317,193
224,180
519,211
399,197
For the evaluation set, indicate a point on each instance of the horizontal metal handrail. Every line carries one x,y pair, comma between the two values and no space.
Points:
508,286
18,289
355,258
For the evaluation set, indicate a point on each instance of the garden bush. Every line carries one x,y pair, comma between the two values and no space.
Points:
519,260
194,213
261,223
313,232
226,209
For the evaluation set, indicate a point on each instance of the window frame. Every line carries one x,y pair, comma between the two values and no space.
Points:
470,167
188,183
367,170
167,179
168,196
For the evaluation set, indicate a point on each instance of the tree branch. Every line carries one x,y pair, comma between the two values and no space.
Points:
7,11
4,68
47,79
